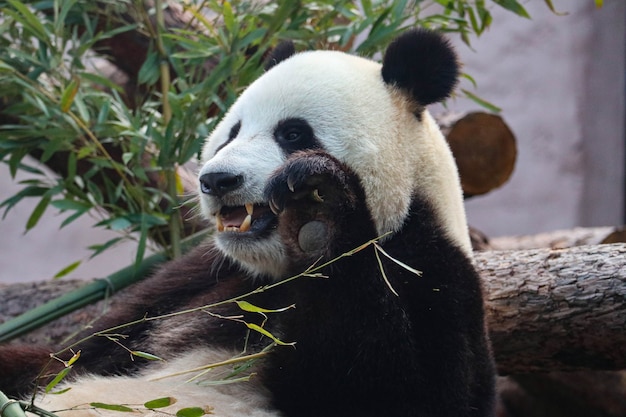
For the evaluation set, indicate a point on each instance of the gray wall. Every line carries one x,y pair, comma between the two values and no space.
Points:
560,83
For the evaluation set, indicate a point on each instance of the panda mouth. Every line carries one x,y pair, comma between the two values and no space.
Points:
247,218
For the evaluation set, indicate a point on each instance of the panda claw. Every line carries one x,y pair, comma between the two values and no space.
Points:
274,207
316,196
291,184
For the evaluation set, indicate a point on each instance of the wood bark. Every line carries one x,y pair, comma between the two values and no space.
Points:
556,309
559,239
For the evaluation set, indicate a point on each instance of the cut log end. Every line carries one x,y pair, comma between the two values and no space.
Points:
484,149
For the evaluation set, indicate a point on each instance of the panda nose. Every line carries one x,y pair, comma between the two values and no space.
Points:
219,183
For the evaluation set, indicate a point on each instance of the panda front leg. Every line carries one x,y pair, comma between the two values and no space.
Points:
362,348
352,344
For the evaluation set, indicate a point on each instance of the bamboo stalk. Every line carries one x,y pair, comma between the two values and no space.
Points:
87,294
10,408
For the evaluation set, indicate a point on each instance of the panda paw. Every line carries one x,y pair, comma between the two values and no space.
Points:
315,196
311,180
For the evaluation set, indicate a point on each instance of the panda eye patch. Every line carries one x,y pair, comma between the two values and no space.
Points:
294,135
234,131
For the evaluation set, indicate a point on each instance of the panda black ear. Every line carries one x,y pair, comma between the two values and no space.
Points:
282,51
423,63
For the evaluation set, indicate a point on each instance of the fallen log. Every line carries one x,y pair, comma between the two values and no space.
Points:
547,309
556,309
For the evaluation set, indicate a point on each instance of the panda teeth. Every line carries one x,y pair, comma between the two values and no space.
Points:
243,227
218,223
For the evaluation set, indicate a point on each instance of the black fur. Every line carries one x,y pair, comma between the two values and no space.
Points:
361,350
423,63
282,51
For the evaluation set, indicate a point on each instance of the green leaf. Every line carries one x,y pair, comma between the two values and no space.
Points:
553,10
58,378
73,359
74,216
67,98
29,20
264,332
145,355
470,79
30,191
246,306
63,272
191,412
98,249
160,402
513,6
127,157
66,204
228,16
63,391
103,81
112,407
119,223
149,72
37,212
490,106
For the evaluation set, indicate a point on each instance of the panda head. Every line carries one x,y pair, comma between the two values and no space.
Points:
370,116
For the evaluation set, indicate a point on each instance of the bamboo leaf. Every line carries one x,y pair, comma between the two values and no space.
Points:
191,412
484,103
67,98
68,269
58,378
98,249
264,332
59,392
73,359
228,16
73,217
513,6
553,10
30,191
160,402
66,204
149,72
37,212
29,20
112,407
246,306
145,355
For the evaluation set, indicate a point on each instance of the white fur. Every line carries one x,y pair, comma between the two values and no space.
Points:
358,119
232,400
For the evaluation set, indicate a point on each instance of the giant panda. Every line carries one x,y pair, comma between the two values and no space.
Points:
330,188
